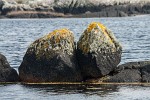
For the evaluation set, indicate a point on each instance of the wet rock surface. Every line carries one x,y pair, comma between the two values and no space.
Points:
98,51
7,74
51,58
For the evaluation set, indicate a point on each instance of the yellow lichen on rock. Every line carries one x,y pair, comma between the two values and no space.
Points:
98,51
58,40
51,58
59,34
97,38
94,25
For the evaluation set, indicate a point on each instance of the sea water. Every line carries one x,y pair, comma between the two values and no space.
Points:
17,34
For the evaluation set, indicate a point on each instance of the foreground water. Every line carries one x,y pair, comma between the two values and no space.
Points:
74,92
17,34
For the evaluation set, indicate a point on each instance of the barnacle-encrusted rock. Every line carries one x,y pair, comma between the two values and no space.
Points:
7,74
98,51
51,58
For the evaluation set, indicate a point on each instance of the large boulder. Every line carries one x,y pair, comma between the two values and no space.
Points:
7,74
51,58
99,52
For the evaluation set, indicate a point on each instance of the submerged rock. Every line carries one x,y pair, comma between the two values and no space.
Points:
99,52
7,74
51,58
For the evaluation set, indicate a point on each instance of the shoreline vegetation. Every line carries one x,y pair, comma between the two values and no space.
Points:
72,8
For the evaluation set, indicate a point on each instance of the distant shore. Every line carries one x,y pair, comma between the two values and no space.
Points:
74,9
43,14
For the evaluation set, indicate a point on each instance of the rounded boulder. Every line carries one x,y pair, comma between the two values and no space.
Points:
51,58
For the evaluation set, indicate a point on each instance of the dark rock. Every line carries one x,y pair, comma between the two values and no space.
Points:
8,8
132,72
7,74
144,68
129,72
133,65
98,51
122,14
2,17
145,71
1,4
51,59
127,75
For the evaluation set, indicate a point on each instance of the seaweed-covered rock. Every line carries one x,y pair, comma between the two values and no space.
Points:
7,74
99,52
51,58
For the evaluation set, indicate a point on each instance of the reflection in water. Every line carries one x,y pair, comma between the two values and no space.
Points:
74,92
73,89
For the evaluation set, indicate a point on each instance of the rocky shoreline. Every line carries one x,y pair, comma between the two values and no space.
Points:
72,8
93,59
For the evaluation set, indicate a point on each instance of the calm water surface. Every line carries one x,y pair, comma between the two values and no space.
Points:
17,34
